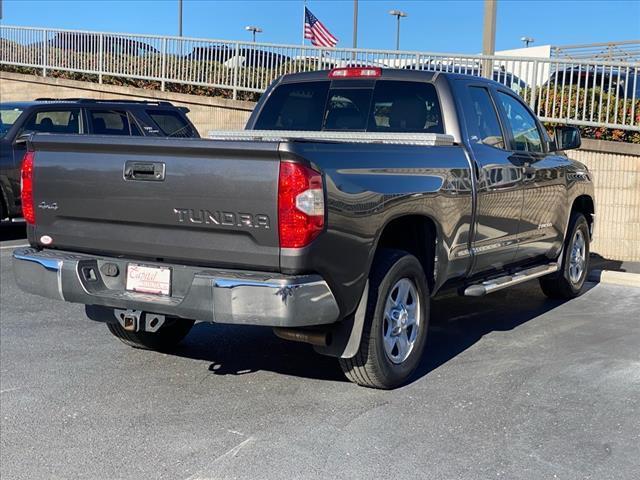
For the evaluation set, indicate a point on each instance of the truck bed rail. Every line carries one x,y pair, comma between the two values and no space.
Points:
428,139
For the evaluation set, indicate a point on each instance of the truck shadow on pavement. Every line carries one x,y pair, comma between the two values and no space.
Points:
12,231
242,350
457,323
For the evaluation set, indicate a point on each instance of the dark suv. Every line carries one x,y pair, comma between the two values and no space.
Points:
77,116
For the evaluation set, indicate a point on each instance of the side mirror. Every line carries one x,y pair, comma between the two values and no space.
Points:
567,138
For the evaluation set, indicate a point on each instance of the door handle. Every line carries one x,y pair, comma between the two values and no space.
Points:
524,161
144,171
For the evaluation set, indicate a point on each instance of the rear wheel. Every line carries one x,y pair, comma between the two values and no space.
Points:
396,322
166,338
567,283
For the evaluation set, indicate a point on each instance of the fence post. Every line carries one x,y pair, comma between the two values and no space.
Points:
45,53
163,73
100,57
236,68
534,80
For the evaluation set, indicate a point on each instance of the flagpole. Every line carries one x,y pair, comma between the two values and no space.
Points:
304,18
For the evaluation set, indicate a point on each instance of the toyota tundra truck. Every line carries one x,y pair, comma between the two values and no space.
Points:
351,199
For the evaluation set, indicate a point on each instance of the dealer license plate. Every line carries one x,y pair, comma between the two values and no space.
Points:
144,279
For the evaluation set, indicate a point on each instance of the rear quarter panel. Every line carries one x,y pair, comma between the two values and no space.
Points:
368,186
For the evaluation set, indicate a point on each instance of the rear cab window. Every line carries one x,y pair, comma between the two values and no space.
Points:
380,106
171,123
295,106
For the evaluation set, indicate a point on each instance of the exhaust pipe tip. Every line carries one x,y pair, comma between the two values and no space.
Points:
319,339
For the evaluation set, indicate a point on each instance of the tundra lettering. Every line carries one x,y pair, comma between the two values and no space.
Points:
216,217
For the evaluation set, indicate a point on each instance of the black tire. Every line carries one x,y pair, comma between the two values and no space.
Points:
165,339
372,365
561,285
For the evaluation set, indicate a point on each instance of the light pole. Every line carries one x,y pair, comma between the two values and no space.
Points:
253,29
355,23
398,14
489,36
179,18
526,41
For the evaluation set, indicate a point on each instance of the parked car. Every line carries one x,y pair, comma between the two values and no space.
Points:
254,58
622,82
81,117
244,56
500,74
353,197
85,42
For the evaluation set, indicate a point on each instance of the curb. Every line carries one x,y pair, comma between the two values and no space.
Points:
611,277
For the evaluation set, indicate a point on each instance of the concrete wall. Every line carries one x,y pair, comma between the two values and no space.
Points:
616,170
207,113
616,166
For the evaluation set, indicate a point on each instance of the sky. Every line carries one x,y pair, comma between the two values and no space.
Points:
431,26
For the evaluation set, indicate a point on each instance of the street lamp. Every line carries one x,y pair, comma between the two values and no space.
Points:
253,30
526,41
398,14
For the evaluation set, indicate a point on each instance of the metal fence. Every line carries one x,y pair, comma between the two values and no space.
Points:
563,90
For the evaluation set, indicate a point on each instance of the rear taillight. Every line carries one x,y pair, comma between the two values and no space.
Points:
355,72
300,205
26,188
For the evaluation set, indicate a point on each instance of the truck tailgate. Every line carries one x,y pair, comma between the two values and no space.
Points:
189,200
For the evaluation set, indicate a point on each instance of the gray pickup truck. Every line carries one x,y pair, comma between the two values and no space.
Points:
353,197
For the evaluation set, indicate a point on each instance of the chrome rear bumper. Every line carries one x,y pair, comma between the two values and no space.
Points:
199,293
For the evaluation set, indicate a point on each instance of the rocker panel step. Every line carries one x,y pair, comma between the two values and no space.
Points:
488,286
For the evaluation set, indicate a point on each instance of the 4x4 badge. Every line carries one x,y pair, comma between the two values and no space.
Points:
48,206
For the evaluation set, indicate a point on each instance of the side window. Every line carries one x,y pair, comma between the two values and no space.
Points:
410,107
54,121
112,122
526,136
486,118
171,123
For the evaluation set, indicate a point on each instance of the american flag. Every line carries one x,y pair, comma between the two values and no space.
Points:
315,31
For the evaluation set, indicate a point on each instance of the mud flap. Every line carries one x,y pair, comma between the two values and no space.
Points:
346,335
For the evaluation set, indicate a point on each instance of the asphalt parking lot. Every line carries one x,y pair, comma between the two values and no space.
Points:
514,386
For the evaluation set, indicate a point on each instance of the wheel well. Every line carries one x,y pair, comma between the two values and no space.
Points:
584,205
415,234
